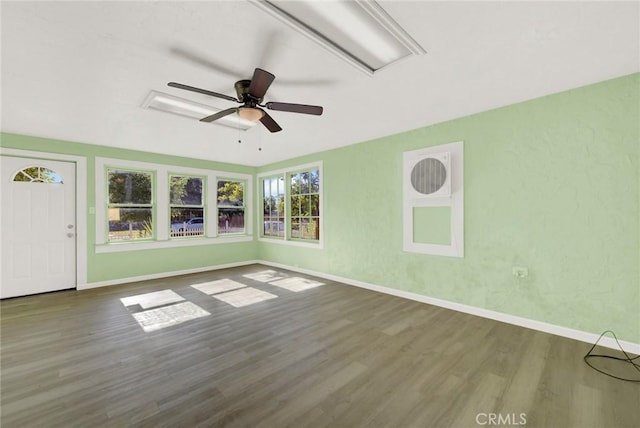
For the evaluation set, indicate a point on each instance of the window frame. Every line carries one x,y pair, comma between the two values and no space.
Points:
203,205
287,173
247,220
276,177
288,179
151,205
162,218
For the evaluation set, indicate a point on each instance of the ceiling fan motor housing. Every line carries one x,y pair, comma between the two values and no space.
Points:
242,89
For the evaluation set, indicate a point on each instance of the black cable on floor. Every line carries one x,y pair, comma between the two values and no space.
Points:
627,359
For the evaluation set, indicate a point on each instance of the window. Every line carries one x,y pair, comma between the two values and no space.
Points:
230,206
291,202
130,205
273,204
186,203
37,174
153,205
305,205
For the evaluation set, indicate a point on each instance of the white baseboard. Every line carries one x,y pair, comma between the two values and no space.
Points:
570,333
163,275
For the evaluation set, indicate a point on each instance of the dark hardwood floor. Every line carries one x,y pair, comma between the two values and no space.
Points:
329,356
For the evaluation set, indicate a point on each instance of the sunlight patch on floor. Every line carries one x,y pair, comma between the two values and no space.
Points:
167,316
244,296
151,300
265,276
214,287
296,284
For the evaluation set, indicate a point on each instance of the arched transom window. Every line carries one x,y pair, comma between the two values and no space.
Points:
37,174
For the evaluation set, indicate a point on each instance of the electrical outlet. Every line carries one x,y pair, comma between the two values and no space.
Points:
520,272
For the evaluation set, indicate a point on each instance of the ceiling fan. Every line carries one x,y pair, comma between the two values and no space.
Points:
250,95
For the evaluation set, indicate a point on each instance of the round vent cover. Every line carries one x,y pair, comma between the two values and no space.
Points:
428,176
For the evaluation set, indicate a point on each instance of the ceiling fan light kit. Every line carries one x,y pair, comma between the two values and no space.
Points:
250,114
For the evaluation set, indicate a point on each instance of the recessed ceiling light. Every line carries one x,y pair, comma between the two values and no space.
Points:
358,31
183,107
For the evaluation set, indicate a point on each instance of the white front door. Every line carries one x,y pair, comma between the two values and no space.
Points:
38,226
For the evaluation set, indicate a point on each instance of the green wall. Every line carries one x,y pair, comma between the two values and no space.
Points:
550,184
113,266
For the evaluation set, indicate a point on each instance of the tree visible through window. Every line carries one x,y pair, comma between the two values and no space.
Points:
305,205
130,206
291,205
230,206
37,174
187,206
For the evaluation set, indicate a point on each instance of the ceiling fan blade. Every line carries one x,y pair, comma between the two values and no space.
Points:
219,114
202,91
203,59
295,108
260,82
269,123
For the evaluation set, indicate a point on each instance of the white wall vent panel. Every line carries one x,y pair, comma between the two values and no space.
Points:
433,200
430,176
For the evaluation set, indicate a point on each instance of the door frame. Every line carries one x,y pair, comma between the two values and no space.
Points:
81,204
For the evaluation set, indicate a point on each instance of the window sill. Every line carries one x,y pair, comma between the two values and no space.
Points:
116,247
311,244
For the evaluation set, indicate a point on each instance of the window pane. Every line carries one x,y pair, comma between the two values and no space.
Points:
230,193
230,220
304,182
185,190
281,187
266,184
295,206
309,228
187,222
274,186
129,187
295,228
266,229
296,184
280,207
315,205
266,205
22,176
273,226
314,181
130,223
304,206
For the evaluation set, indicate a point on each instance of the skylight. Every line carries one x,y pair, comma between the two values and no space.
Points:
360,32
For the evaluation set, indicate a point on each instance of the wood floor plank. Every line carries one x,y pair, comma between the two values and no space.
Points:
329,356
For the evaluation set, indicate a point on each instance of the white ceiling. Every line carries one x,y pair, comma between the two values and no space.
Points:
79,71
